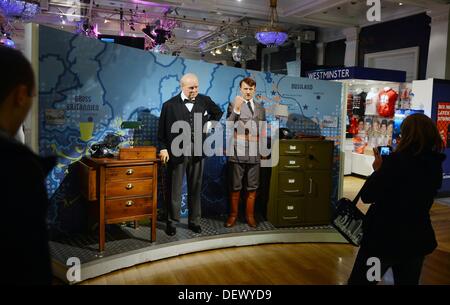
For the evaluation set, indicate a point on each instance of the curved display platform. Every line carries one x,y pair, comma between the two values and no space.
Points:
126,246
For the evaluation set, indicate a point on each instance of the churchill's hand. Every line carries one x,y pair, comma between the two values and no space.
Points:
164,156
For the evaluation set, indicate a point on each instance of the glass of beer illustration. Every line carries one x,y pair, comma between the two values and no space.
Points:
86,130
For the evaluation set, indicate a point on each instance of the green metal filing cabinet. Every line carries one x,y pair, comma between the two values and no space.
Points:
300,186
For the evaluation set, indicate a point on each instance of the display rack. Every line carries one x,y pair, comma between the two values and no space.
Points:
371,97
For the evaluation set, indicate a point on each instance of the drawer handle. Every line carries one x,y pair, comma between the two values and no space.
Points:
291,191
310,185
292,166
130,171
129,203
292,151
129,186
290,217
290,207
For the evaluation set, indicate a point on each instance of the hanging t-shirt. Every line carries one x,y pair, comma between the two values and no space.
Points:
349,104
371,103
386,106
353,126
359,103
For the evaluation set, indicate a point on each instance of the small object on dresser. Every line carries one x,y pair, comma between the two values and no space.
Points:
137,153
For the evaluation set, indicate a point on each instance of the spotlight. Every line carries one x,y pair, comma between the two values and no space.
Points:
63,19
228,49
6,41
148,30
163,35
218,51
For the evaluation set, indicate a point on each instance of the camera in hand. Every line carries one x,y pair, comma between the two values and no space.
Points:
384,150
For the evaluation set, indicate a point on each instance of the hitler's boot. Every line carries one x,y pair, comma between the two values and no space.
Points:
250,209
234,205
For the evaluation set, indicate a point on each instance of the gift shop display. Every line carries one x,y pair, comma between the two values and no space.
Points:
372,95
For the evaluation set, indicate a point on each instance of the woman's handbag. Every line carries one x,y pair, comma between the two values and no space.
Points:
348,220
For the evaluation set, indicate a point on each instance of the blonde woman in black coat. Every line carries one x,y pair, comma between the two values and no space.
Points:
397,229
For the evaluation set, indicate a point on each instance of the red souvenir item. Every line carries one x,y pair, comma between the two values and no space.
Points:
386,105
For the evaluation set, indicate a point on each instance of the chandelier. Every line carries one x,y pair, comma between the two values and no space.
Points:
23,9
271,35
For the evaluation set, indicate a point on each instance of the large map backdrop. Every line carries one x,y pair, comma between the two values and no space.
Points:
87,88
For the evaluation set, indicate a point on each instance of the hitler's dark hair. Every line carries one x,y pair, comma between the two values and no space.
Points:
249,81
16,70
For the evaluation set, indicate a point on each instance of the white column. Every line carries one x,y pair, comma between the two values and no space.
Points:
320,46
351,49
438,64
31,51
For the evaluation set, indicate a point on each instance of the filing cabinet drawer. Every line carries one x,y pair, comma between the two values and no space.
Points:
301,183
291,184
129,188
291,163
291,148
128,207
128,172
289,210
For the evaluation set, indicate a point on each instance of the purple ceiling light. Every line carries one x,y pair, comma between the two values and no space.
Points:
23,9
271,38
271,35
5,41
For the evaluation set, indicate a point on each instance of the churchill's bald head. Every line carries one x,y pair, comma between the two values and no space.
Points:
189,85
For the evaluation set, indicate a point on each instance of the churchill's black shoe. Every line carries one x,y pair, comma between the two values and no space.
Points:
195,228
171,230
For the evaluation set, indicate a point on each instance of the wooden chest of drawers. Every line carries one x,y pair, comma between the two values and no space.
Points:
300,187
120,190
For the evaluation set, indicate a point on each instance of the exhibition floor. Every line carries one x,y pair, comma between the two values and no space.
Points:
295,263
127,246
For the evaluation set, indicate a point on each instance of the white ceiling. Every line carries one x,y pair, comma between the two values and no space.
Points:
218,21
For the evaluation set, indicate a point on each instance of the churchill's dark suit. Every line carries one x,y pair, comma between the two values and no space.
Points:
172,111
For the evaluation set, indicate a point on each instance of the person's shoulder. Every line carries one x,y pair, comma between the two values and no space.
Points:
203,97
17,156
13,147
172,100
